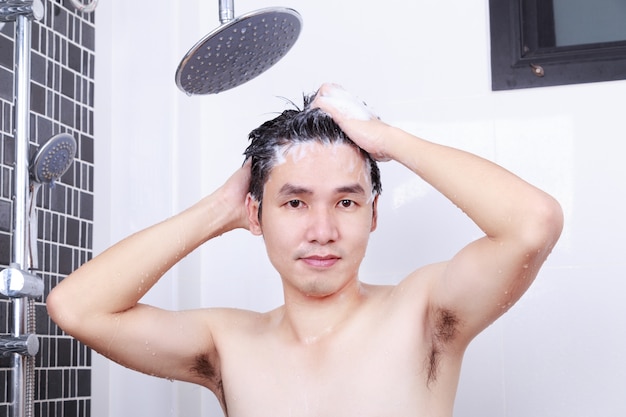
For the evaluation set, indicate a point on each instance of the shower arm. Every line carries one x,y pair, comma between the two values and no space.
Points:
227,10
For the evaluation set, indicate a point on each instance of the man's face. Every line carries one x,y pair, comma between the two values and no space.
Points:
318,212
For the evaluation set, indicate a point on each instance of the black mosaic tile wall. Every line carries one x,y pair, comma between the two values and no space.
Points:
62,100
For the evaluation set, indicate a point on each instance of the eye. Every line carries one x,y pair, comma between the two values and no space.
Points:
346,203
294,203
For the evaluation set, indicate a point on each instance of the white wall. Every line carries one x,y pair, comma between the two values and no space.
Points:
423,66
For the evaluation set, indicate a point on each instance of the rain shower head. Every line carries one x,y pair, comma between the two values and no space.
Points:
53,159
238,51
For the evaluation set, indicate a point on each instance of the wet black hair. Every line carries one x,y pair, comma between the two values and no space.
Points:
295,126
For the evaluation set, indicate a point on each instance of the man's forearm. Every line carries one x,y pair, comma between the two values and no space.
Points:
115,280
499,202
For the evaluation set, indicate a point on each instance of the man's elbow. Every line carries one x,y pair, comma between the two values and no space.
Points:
543,225
61,310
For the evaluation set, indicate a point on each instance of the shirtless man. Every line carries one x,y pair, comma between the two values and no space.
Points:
337,347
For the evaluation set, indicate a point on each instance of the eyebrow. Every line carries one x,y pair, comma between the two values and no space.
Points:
291,189
351,189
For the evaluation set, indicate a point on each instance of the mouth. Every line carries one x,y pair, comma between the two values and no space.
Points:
318,261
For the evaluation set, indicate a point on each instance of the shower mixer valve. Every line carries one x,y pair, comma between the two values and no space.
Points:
17,283
26,345
11,9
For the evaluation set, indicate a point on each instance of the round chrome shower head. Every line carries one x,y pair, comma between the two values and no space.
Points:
53,159
238,51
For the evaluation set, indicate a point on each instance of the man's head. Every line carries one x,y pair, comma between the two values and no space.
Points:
274,138
313,197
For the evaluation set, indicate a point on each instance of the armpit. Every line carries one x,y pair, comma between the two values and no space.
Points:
444,330
206,370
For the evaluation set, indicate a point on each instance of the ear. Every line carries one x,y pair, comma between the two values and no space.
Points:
374,214
252,206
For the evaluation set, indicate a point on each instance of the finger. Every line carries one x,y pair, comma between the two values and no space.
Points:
337,101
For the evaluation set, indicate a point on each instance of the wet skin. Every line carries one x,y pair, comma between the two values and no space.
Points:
337,346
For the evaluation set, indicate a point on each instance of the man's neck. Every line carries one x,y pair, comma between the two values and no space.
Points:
310,320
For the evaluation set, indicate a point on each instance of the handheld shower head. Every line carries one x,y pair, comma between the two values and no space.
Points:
238,51
53,159
48,165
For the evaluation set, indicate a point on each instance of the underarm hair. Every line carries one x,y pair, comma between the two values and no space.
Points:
445,328
205,369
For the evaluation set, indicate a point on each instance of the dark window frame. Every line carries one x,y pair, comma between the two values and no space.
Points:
520,59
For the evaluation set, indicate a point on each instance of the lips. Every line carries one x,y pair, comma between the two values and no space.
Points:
318,261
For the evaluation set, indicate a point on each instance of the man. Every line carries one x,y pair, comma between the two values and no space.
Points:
337,347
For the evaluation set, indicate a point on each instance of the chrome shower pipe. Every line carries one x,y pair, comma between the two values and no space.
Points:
21,99
21,129
22,12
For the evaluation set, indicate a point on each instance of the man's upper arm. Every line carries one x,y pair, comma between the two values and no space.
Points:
482,282
167,344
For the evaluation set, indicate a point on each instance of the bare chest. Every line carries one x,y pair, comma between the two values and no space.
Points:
367,376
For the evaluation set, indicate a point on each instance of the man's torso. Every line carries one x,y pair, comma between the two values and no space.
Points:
382,362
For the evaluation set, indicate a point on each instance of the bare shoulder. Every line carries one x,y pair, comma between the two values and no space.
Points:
234,320
415,289
405,306
408,299
235,329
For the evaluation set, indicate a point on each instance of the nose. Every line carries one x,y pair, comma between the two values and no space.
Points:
322,226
